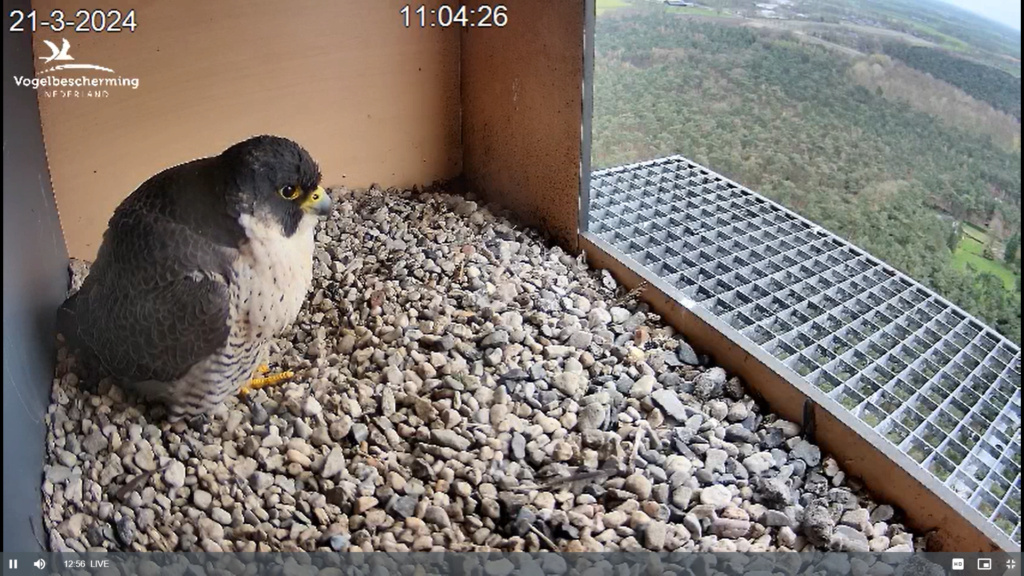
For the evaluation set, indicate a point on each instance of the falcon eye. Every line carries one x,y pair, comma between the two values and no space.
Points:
290,192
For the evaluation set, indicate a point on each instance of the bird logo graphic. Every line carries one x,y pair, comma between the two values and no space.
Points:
61,55
57,53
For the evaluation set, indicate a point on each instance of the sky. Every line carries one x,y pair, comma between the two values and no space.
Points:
1003,11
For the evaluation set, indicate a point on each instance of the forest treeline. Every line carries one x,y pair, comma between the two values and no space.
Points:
788,120
925,93
985,83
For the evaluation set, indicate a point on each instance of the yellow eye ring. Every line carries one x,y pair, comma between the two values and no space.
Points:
290,192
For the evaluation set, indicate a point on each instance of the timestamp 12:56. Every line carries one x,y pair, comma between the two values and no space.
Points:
445,16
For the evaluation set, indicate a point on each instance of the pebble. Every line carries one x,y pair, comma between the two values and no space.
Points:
202,499
95,443
450,439
718,496
858,519
334,464
729,528
655,534
339,542
818,525
614,519
518,446
591,417
882,513
220,516
671,404
676,463
787,537
638,484
211,529
879,544
686,354
807,452
364,503
619,315
718,410
739,433
568,383
714,460
126,531
849,539
144,459
437,516
737,412
643,387
311,406
174,475
709,384
758,463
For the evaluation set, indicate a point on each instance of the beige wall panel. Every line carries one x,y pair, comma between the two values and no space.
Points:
372,100
522,112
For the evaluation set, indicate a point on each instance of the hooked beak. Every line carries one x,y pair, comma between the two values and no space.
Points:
318,202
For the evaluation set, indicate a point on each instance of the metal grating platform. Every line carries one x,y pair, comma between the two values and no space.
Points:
931,379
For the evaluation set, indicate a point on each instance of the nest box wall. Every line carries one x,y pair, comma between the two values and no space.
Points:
522,108
372,100
35,283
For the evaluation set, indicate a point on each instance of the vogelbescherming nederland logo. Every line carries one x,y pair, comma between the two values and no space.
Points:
92,83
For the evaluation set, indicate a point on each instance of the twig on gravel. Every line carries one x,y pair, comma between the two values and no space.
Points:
544,539
635,452
137,482
581,477
633,294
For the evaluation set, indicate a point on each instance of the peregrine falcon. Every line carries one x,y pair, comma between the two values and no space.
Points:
198,269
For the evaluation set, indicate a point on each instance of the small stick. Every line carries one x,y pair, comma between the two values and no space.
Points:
634,293
549,484
641,430
576,478
808,423
545,539
650,433
136,482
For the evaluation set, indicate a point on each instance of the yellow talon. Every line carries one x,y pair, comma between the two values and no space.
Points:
262,369
257,383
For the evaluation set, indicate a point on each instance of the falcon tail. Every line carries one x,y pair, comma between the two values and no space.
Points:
88,366
67,321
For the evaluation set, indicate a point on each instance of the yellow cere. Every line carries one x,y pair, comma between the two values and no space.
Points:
314,197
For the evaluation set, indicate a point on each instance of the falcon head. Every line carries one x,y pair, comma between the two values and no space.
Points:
277,182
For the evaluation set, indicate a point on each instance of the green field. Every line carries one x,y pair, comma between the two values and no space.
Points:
606,5
971,250
975,233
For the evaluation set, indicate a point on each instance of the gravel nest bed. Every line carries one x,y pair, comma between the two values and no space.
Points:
461,385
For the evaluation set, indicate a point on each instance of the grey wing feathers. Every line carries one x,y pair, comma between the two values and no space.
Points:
156,301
